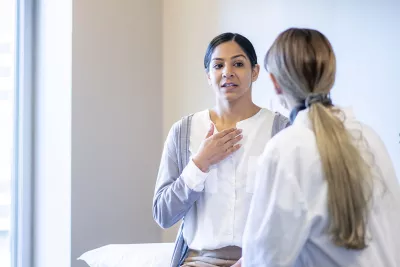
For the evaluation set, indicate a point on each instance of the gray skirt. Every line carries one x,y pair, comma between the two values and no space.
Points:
223,257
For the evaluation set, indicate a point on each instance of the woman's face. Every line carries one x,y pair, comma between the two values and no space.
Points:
230,72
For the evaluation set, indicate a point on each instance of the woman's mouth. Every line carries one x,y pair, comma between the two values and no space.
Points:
229,86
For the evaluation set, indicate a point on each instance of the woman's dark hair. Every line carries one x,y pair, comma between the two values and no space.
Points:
242,41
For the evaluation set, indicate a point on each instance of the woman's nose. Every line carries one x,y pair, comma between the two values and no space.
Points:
227,73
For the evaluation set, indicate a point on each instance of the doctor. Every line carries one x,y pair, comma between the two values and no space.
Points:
326,190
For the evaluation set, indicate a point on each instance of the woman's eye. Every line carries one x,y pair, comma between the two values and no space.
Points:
238,64
218,66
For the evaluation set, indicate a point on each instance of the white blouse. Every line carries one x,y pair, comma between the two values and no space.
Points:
218,218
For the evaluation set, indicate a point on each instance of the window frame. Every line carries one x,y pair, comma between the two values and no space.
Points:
22,180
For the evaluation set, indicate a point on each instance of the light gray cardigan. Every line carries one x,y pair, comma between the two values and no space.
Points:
172,197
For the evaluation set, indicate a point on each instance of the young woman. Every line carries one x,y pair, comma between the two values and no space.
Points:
206,175
326,190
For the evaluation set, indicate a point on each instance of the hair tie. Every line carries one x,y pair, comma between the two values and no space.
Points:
322,98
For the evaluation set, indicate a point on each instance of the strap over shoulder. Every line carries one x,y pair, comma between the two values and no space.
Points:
183,141
280,123
182,146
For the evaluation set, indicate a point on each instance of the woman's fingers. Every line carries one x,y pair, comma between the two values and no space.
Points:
233,141
231,150
231,136
225,154
219,146
224,133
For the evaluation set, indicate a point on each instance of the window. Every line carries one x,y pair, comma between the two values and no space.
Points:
7,107
16,20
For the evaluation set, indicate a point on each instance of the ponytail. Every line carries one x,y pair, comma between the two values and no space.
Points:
345,172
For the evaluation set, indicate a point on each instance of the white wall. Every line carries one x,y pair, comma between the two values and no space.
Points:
363,34
116,122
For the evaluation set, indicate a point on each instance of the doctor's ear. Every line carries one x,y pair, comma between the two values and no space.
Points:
277,87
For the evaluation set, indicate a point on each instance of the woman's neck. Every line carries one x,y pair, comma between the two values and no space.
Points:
226,114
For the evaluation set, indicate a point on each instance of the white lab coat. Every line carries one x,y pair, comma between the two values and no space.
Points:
288,218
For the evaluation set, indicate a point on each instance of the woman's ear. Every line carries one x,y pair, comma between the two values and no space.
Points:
255,73
208,77
277,88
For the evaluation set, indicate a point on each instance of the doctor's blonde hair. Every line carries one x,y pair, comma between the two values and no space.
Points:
303,63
